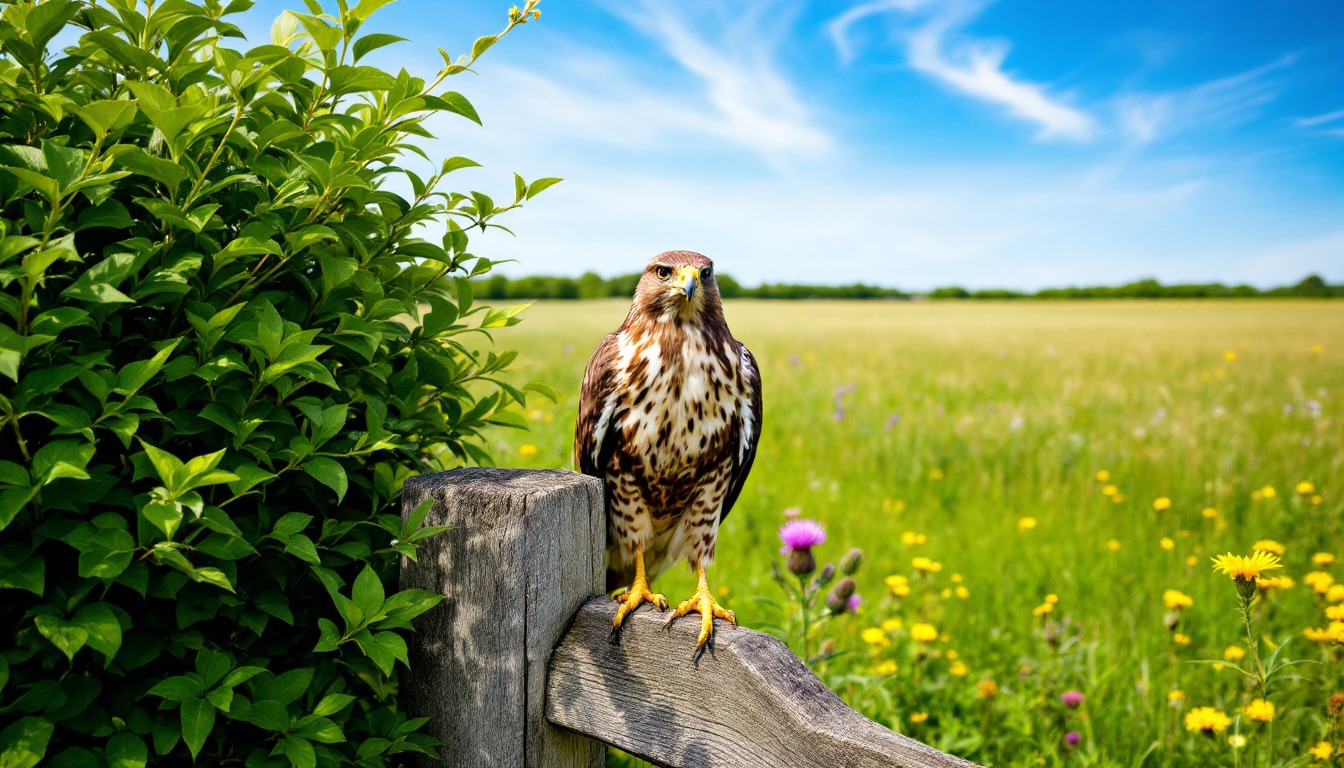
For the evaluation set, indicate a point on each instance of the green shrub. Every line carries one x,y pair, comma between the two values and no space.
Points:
224,348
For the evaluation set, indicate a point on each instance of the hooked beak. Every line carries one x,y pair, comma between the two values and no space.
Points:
688,279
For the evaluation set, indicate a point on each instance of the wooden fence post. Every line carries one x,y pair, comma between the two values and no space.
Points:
526,550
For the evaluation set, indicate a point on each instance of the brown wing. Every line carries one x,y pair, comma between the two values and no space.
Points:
747,432
594,432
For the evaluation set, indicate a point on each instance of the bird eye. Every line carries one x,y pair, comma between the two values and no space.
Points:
707,274
663,272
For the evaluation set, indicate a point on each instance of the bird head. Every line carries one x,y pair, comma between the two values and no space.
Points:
678,285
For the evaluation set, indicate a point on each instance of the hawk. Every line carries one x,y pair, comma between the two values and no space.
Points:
669,419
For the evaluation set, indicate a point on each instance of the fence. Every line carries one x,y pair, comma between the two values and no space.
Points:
516,667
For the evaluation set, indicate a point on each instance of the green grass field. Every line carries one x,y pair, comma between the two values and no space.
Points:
958,420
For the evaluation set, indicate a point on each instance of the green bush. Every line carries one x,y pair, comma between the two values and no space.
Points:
224,348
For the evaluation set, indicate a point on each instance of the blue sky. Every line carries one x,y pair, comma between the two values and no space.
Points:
910,143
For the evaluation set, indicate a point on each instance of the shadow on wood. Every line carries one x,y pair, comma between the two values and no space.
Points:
751,703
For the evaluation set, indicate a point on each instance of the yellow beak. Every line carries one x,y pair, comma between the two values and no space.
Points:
687,279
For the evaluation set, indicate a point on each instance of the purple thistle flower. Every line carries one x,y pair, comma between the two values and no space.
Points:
1073,737
839,414
893,420
793,360
854,601
839,392
801,534
1071,699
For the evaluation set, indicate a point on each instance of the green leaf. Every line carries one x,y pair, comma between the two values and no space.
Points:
136,375
23,743
290,524
333,703
330,638
298,750
457,103
240,676
61,459
198,719
540,185
328,472
303,548
368,593
289,686
163,515
126,750
179,688
373,42
105,116
17,569
101,626
67,637
317,728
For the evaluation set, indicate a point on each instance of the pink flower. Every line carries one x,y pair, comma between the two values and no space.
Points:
801,534
1073,737
1071,699
854,601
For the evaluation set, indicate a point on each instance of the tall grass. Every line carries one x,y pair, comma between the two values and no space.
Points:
957,421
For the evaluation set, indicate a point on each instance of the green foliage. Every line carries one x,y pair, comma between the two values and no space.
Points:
224,348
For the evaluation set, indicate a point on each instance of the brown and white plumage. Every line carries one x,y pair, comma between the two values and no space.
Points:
669,418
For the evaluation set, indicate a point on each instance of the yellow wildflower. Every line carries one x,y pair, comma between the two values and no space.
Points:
527,451
875,637
946,593
1117,498
1209,513
1161,504
1026,524
1166,543
1234,653
912,539
962,591
1268,545
1318,635
1316,500
1236,741
1268,492
1245,568
923,633
952,654
1322,751
987,689
1052,598
1175,698
1175,599
1206,720
1335,613
925,564
896,578
1113,545
1259,710
1043,609
1109,490
891,625
1229,355
1276,582
887,667
1335,593
919,717
1192,561
1103,476
958,669
1322,559
1305,488
1319,581
1180,639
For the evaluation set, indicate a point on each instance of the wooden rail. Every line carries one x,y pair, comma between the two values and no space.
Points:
516,667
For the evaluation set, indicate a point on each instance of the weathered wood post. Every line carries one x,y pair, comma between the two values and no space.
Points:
518,648
526,550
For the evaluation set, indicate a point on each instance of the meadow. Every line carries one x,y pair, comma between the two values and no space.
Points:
1059,466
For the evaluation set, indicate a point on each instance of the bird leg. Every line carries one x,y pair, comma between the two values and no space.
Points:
637,594
704,603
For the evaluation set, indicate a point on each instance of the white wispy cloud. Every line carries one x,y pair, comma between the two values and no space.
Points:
968,65
1329,117
1226,101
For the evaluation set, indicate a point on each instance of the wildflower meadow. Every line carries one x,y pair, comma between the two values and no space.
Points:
1069,533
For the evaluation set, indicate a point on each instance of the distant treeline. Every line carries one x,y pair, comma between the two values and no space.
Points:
593,286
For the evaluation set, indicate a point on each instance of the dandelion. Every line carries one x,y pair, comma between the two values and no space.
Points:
1259,710
962,592
1268,492
912,539
1176,698
1229,355
1268,545
1335,593
925,564
899,585
1176,600
1192,561
1234,653
923,633
1109,490
1044,609
1052,598
875,636
988,690
1276,582
1319,635
887,667
1161,503
1113,545
1322,559
1322,751
1335,613
1103,476
1072,738
1166,543
952,654
1208,513
1206,720
919,717
1071,699
1026,524
527,451
1236,741
958,669
1180,639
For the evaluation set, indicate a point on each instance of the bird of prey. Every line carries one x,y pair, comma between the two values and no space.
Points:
669,418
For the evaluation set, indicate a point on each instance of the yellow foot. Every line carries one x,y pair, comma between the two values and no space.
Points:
638,594
708,608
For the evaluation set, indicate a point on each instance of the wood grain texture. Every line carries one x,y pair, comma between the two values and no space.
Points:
525,551
749,703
